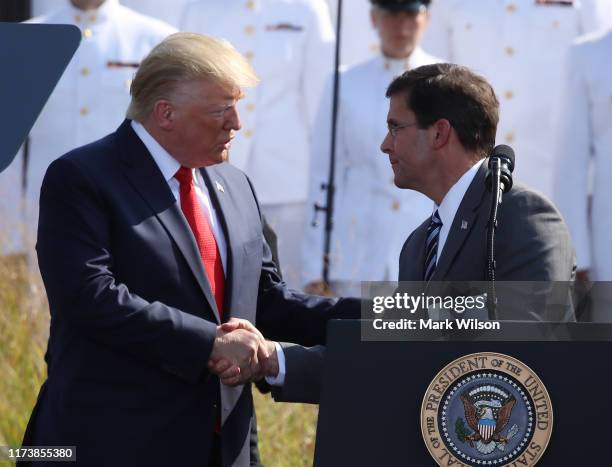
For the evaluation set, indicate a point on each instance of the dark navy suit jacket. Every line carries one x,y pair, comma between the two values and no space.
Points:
133,318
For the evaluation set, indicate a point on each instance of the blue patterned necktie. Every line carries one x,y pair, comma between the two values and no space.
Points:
431,245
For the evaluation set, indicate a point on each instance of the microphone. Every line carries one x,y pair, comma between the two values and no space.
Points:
502,159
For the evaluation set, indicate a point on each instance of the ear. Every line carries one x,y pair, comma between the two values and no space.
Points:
440,133
163,114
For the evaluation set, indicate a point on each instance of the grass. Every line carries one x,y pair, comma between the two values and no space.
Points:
286,431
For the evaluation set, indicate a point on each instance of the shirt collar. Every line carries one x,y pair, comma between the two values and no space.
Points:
167,164
450,204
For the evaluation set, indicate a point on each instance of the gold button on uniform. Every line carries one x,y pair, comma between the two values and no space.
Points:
509,94
250,107
84,111
509,137
248,133
77,18
509,51
93,18
87,33
511,8
249,55
250,5
85,71
396,205
250,30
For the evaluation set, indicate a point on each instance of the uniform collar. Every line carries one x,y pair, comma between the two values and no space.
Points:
91,17
396,66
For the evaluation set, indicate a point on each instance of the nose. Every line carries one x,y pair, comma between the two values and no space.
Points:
387,144
232,119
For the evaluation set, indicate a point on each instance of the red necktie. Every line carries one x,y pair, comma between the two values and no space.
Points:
209,251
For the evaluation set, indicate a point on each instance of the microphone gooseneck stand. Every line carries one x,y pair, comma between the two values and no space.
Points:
492,226
498,181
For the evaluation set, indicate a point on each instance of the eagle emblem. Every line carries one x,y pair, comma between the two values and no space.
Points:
479,410
487,412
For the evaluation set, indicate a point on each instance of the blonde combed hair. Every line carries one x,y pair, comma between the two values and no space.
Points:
183,57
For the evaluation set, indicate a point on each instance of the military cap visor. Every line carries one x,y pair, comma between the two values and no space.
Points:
414,6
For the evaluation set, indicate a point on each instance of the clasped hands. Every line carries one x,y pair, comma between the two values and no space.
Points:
241,354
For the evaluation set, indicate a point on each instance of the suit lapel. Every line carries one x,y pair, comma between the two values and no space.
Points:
224,203
144,175
413,261
463,223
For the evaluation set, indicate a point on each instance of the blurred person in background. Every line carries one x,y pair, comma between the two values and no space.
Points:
88,101
582,177
290,44
359,40
371,216
166,10
520,47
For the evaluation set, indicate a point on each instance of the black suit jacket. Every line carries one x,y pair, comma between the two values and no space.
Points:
532,244
133,318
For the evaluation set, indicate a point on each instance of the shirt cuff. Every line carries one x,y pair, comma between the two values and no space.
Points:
279,379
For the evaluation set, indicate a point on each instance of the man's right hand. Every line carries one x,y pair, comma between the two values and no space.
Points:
241,347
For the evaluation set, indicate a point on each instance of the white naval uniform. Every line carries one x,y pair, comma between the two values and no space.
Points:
169,11
584,135
92,95
359,39
290,44
372,217
597,14
520,47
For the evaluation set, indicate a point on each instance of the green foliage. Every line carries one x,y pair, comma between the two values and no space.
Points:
461,430
23,339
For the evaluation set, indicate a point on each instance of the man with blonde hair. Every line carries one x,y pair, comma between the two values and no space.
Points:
147,242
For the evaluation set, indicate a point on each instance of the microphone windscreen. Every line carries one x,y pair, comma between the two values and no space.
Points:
504,151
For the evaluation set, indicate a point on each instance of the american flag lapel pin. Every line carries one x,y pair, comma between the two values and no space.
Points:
219,187
464,225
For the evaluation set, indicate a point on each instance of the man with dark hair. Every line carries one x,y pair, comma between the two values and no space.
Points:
366,203
442,121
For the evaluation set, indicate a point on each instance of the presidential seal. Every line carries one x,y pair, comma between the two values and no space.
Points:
486,409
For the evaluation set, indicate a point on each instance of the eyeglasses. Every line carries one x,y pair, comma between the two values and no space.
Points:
393,128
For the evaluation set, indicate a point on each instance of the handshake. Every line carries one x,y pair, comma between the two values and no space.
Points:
241,354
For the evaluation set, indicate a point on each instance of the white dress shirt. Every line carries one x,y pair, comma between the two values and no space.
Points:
168,166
